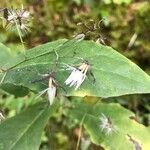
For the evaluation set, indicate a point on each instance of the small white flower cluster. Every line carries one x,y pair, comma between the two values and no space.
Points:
77,75
106,125
75,79
15,17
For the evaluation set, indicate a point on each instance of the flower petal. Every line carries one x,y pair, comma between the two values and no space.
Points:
51,94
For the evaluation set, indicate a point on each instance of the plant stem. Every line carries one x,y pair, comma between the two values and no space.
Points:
80,132
20,35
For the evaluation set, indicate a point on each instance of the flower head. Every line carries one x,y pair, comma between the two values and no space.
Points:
20,18
77,75
106,125
12,15
79,37
51,90
24,14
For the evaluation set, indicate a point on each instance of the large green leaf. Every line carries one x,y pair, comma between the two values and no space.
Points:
19,88
114,74
127,133
24,130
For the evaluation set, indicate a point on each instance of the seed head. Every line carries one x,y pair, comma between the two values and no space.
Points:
106,125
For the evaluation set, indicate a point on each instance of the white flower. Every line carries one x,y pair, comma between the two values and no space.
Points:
77,75
100,41
106,125
24,27
12,16
25,14
51,90
75,79
79,37
20,18
1,117
18,14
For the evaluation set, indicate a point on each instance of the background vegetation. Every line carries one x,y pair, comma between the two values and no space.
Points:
125,28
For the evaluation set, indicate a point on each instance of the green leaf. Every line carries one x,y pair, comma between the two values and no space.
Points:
114,74
127,133
16,86
4,54
24,130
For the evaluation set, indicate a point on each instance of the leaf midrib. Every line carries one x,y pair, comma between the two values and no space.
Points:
26,129
46,63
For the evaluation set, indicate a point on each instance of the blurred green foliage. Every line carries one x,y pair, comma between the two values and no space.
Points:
125,27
